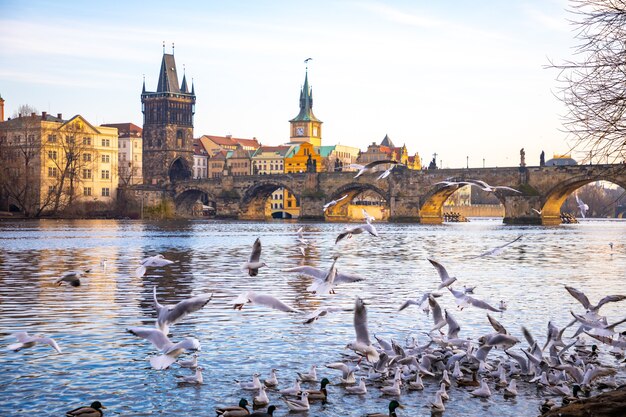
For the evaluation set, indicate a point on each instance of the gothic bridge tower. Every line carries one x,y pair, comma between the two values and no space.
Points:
305,127
168,127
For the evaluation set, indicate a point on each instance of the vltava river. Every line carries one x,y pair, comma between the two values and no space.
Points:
101,361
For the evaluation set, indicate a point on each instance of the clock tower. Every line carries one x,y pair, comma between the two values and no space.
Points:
305,127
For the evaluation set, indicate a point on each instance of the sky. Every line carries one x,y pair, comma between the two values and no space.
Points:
465,80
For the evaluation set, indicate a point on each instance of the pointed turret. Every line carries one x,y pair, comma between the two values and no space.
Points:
193,89
306,103
183,86
143,90
387,142
168,79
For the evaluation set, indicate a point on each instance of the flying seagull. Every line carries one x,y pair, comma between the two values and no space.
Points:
498,249
72,278
306,61
369,167
251,297
581,206
167,316
367,227
26,341
169,350
254,262
362,344
333,202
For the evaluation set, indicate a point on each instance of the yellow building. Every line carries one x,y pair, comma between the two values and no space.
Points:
51,165
305,127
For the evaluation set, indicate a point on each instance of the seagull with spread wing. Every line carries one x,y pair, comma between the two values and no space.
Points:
369,167
254,262
463,300
446,280
357,230
491,188
582,299
253,298
581,206
169,350
498,249
324,282
333,202
155,261
167,316
362,344
26,341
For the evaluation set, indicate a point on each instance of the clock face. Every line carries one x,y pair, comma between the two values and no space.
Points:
299,131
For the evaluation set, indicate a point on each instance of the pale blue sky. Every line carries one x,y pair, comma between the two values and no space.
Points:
453,77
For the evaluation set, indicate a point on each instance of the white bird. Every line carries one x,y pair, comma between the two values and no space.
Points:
421,302
581,206
320,275
511,389
294,390
250,386
167,316
385,173
358,389
169,350
491,188
437,404
498,249
483,391
362,344
393,389
537,211
367,227
300,237
192,379
26,341
347,372
443,392
272,381
333,202
369,167
463,300
310,376
321,312
369,219
446,280
152,262
261,398
254,262
251,297
298,405
72,278
582,299
191,363
417,384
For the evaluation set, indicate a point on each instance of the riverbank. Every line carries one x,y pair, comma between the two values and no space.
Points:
607,404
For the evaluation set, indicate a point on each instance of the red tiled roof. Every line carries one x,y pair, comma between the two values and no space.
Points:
230,141
126,130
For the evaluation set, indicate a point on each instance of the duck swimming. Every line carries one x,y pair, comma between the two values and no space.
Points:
393,405
94,410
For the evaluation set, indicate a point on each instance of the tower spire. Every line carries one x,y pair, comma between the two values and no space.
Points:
143,90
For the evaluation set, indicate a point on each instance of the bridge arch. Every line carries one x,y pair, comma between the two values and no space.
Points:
179,170
431,207
195,202
556,196
342,210
255,204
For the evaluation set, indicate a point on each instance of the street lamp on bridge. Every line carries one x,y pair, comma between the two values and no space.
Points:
467,162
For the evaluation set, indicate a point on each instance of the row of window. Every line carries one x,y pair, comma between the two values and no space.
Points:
104,192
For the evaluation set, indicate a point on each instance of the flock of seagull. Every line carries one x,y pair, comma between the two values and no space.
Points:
496,361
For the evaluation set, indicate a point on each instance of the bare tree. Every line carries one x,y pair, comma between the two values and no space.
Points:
73,160
593,84
20,156
24,110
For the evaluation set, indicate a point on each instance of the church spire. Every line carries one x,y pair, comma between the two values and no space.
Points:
183,86
306,102
168,78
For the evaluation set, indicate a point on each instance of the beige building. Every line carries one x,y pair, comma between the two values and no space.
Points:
239,162
200,161
129,153
49,164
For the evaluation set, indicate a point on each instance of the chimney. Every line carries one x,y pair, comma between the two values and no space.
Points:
60,116
33,114
43,115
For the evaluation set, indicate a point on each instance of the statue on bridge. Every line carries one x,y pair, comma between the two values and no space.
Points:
542,159
522,158
433,164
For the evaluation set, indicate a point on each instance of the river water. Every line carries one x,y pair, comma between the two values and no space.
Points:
101,361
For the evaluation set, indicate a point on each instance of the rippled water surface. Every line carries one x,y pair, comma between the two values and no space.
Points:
100,361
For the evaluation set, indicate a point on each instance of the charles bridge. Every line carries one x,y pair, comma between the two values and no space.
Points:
409,195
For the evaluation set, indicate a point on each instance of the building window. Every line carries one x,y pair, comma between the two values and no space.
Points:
105,192
135,158
87,191
86,174
17,138
52,155
105,174
86,141
106,158
124,144
52,189
52,138
106,142
52,172
86,157
288,203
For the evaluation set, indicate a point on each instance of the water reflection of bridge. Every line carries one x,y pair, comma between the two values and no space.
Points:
407,195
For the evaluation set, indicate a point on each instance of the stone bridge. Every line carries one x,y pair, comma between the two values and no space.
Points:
409,195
